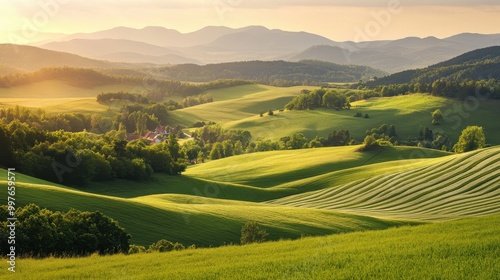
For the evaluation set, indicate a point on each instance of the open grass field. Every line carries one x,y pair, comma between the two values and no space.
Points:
58,97
183,206
59,89
407,113
57,105
277,169
465,249
236,103
182,218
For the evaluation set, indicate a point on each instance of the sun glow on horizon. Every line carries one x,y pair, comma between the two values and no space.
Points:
342,21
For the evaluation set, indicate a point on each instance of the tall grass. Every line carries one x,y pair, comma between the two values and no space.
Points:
465,249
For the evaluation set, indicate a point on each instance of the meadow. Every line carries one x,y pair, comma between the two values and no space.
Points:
217,201
465,249
408,113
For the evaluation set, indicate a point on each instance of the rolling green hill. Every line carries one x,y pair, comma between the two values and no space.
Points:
280,170
406,112
466,249
236,103
182,218
465,186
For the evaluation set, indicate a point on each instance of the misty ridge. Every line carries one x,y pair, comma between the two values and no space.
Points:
156,45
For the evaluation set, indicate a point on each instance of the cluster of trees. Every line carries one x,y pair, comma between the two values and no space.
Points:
446,88
252,233
385,135
135,118
138,118
104,98
161,246
77,158
42,233
384,132
213,142
41,120
471,138
309,100
197,100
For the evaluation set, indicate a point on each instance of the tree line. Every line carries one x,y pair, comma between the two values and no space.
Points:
309,100
77,158
278,73
445,88
43,233
154,86
213,142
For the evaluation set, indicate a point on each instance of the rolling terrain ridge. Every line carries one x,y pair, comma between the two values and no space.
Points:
465,186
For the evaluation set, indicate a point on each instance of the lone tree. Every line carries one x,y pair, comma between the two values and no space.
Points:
437,116
252,233
369,143
472,138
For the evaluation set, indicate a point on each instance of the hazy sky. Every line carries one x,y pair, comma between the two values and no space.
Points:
339,20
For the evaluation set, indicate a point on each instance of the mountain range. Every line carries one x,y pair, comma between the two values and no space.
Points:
218,44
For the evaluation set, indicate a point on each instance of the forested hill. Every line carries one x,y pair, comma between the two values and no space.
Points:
475,65
272,72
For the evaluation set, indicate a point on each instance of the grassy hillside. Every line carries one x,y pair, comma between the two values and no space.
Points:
466,249
407,113
464,186
280,168
182,218
236,103
185,206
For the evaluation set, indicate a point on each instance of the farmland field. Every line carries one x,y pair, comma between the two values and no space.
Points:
291,204
465,249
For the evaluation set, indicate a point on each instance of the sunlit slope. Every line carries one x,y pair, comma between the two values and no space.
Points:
60,89
407,113
463,186
236,103
465,249
191,219
273,169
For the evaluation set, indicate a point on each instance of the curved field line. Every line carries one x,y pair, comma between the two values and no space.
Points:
464,186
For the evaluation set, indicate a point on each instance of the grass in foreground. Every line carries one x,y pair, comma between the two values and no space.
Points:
465,249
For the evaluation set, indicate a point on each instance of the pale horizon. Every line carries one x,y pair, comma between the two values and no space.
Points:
336,20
